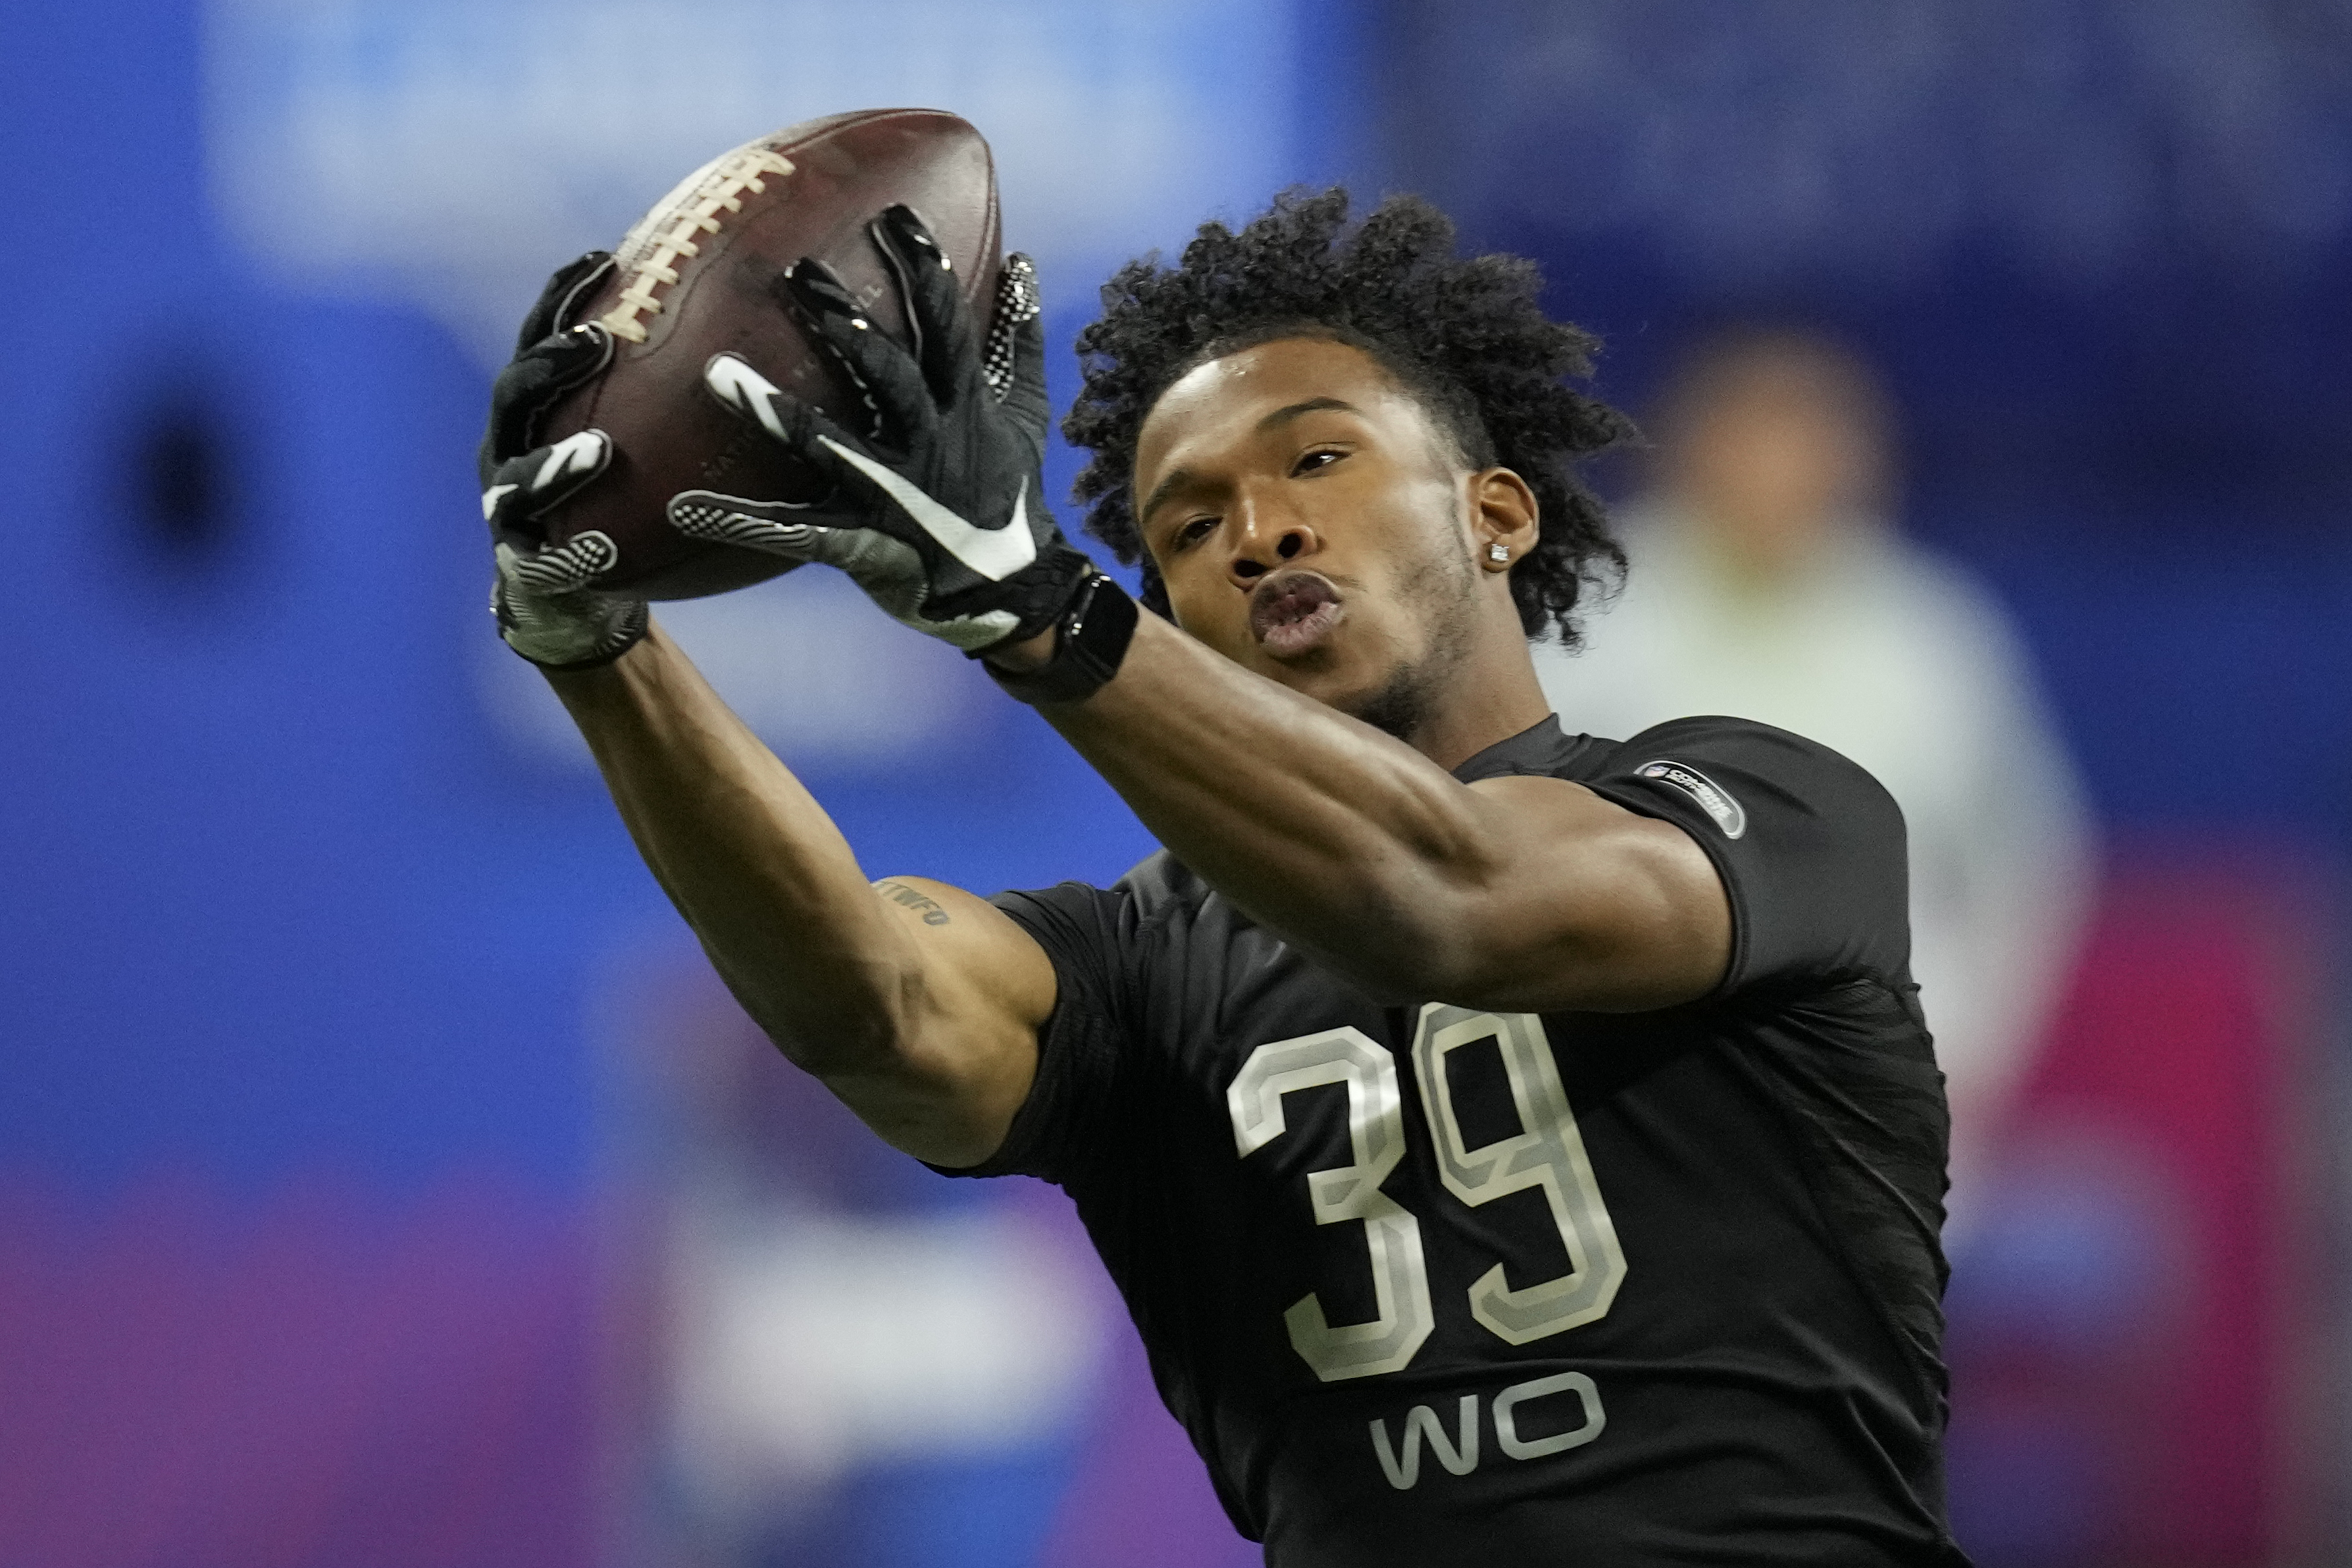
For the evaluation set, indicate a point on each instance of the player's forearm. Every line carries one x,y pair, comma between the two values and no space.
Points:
749,859
1345,839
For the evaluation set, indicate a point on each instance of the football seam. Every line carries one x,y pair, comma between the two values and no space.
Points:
720,190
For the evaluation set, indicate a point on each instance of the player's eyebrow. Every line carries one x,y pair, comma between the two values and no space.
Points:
1312,406
1179,477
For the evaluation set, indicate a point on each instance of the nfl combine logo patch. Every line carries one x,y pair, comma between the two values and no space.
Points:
1712,798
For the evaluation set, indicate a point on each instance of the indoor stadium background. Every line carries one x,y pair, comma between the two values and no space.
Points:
361,1097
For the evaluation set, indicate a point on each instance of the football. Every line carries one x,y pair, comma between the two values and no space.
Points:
693,277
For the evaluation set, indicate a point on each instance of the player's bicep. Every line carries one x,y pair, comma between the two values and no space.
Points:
982,965
968,1050
1603,908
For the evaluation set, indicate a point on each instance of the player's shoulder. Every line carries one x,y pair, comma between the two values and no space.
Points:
1793,768
1741,772
1810,847
1713,761
1154,890
1720,732
1160,882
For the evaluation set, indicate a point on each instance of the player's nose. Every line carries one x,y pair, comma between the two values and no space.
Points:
1266,539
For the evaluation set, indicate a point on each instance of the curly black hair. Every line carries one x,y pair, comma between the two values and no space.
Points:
1464,335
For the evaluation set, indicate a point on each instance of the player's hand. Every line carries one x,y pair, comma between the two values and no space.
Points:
937,511
545,609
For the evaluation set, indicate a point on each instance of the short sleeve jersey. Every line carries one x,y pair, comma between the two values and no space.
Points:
1429,1284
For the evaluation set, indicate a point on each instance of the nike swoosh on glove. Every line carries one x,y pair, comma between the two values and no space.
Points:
936,511
546,611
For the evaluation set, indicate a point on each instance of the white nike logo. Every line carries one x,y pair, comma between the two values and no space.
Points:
568,457
491,497
746,388
994,553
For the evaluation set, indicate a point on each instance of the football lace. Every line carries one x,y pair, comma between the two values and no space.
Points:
720,190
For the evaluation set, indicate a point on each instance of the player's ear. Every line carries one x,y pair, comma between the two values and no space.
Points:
1506,518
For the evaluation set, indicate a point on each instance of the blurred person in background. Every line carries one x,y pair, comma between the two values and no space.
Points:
1767,579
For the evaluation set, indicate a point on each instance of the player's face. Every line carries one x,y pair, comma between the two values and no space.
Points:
1311,523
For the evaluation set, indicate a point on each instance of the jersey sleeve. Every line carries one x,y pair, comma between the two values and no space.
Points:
1809,846
1051,1135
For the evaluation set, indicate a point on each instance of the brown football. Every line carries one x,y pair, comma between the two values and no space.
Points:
692,278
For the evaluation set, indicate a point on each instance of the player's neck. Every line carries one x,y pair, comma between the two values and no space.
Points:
1489,696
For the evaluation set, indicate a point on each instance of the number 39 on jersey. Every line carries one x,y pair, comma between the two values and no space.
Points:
1546,1152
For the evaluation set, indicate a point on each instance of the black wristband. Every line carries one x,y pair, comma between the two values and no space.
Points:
1090,640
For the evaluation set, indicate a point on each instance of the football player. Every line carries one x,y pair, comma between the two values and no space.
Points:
1514,1146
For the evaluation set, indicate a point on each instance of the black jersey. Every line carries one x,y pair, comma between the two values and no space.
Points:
1430,1285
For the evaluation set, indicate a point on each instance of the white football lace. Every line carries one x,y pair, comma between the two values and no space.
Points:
668,232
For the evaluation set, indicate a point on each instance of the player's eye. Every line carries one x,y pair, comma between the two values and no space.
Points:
1316,457
1192,531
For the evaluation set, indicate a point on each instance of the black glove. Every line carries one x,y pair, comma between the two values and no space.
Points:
545,609
936,510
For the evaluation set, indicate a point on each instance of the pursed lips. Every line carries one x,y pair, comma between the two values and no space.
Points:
1292,611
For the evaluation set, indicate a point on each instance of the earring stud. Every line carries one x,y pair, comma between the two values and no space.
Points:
1496,552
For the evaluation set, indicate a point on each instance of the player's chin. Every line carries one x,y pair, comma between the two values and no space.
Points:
1394,695
1352,686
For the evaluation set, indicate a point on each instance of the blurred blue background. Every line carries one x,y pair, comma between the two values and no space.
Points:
323,960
